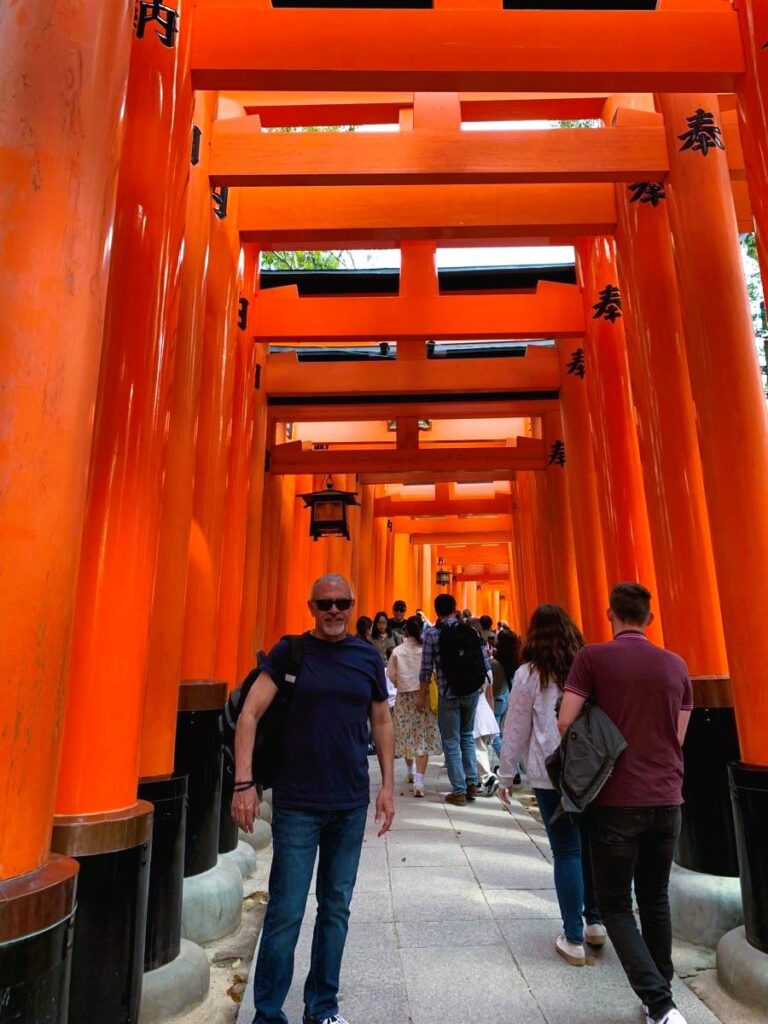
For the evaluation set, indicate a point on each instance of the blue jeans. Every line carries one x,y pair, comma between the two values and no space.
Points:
297,836
456,721
573,869
500,706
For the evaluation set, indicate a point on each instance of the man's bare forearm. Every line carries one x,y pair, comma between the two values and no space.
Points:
384,736
245,736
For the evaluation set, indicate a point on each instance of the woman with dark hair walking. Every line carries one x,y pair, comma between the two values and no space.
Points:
416,732
382,638
530,736
504,664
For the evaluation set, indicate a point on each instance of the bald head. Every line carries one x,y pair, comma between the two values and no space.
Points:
331,579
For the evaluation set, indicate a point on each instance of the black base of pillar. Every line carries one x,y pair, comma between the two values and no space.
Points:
112,888
708,839
749,793
198,755
166,876
35,967
229,834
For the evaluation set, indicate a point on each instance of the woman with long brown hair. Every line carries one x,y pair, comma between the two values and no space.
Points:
530,736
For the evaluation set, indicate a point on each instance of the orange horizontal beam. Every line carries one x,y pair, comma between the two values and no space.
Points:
473,554
454,476
296,109
245,45
324,215
391,508
452,524
242,154
480,577
292,459
463,537
552,311
343,412
538,371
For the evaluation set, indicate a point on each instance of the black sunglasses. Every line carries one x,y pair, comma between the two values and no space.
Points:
324,604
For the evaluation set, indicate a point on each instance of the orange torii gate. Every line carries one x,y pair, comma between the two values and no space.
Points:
93,278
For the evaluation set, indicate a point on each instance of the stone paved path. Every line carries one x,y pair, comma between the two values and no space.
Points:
453,922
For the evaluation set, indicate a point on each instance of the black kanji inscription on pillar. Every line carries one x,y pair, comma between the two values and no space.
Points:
577,366
647,192
557,454
609,306
703,134
150,12
220,198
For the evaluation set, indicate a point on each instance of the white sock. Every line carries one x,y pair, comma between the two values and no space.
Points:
418,780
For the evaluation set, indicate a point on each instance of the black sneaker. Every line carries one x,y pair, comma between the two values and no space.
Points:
336,1019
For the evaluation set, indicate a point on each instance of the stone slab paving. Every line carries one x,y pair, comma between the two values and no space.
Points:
453,922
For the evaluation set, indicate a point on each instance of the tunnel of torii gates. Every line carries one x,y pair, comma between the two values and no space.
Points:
538,437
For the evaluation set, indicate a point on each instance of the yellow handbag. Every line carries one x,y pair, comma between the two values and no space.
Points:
433,694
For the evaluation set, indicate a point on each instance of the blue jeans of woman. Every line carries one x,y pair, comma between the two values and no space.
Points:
297,836
500,706
573,870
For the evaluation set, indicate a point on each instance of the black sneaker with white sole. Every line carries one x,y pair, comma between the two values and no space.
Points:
336,1019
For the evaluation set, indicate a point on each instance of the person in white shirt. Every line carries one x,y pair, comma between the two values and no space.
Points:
530,736
416,732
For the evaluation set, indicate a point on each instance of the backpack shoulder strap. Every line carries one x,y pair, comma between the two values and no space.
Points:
295,656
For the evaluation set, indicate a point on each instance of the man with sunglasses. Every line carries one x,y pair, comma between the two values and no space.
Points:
320,797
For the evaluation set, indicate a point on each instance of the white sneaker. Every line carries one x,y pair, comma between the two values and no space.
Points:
575,955
670,1017
595,934
418,790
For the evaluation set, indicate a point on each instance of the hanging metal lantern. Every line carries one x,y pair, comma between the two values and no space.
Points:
442,577
329,511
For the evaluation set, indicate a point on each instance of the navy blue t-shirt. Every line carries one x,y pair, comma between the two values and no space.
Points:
324,763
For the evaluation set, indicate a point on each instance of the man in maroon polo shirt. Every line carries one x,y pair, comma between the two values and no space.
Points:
635,820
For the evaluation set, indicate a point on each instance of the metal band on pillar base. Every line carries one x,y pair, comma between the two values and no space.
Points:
749,794
36,924
198,755
113,850
708,840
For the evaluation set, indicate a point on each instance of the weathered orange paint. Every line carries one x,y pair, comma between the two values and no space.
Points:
623,513
240,45
727,392
669,449
57,209
158,734
99,766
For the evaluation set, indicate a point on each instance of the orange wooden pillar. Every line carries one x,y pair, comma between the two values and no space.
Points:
296,612
278,591
158,733
559,532
247,647
99,819
241,439
267,564
674,486
581,482
365,543
623,515
730,409
57,209
532,573
752,105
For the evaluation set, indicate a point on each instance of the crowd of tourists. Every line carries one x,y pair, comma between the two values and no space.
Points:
597,731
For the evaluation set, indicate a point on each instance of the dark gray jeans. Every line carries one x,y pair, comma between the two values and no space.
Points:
636,844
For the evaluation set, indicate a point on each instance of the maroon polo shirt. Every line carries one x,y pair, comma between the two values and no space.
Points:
642,688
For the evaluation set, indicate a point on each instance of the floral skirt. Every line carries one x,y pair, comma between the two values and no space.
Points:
416,732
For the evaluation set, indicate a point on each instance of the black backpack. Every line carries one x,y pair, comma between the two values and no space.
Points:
269,732
461,659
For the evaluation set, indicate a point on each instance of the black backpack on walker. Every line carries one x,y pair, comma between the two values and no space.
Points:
269,732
